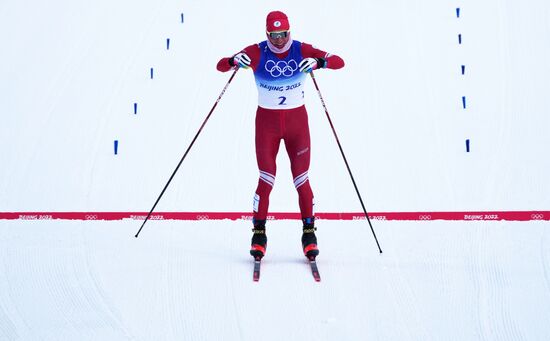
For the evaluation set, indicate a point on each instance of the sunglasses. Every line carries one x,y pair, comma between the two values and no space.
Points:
277,35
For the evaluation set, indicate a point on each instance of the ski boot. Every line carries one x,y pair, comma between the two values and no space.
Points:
259,240
309,240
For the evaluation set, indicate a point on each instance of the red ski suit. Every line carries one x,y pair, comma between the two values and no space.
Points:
274,124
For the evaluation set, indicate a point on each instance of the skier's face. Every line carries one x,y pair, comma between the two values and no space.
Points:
278,39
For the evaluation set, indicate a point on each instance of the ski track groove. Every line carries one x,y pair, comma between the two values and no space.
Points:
475,277
49,286
495,281
104,302
459,299
406,301
83,304
74,295
231,278
168,293
545,259
8,327
172,279
444,265
8,330
186,288
487,315
15,288
397,296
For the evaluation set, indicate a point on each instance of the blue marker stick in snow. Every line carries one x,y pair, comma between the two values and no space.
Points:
135,108
467,145
116,147
182,18
151,73
458,12
460,38
168,43
463,68
464,102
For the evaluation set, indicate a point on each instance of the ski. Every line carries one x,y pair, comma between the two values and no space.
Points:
314,269
256,275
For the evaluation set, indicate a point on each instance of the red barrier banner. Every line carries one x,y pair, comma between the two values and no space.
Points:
415,216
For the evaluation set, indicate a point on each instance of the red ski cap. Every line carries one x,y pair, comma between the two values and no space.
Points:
276,21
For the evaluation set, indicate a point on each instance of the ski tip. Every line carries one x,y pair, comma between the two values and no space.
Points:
317,277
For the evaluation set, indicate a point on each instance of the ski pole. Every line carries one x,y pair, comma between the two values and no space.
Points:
345,160
187,151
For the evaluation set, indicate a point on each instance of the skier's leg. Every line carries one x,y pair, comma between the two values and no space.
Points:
297,143
267,146
298,146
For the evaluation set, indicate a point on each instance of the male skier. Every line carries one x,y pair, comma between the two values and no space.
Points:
280,65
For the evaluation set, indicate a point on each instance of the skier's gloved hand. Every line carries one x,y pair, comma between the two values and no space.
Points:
240,60
309,64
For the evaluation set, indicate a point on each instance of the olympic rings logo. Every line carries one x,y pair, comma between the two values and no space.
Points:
425,217
90,217
202,217
537,216
281,68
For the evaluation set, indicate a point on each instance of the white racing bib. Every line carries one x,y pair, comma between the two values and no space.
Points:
279,81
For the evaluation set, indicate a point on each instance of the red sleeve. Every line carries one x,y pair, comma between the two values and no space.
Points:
333,61
253,51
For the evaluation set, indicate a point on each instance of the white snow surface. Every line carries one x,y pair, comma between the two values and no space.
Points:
70,72
193,281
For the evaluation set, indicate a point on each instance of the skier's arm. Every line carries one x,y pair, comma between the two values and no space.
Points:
252,52
323,59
